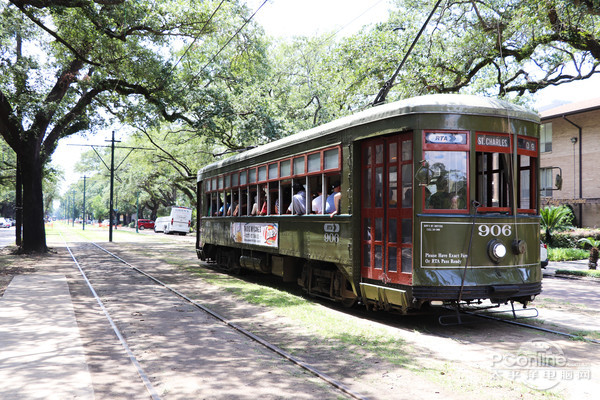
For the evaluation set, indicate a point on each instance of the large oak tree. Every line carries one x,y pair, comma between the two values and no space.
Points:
63,61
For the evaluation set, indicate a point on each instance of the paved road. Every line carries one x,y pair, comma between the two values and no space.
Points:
7,236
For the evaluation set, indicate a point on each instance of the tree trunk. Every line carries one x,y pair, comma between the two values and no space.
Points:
19,205
34,231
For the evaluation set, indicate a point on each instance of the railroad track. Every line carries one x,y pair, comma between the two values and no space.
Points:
515,322
144,377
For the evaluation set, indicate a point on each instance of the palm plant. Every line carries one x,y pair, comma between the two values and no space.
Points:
554,218
594,245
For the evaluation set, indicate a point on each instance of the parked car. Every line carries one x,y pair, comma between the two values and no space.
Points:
145,223
179,221
543,254
4,223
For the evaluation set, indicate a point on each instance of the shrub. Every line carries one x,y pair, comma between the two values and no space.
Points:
566,254
570,238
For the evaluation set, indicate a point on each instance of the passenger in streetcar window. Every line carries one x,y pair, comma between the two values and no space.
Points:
225,207
298,200
233,209
332,205
263,207
441,199
317,203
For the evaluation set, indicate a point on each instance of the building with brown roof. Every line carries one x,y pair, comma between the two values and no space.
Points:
570,142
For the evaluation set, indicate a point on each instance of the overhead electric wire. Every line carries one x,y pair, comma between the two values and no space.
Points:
230,39
196,38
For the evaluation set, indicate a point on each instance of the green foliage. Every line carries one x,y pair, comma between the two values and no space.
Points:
566,254
589,242
585,273
555,218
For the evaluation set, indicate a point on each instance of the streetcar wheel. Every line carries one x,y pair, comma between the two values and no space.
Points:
349,303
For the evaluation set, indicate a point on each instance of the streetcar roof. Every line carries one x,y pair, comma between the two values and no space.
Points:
429,104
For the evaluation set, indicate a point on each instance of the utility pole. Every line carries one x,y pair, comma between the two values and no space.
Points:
112,170
137,215
112,178
84,178
73,202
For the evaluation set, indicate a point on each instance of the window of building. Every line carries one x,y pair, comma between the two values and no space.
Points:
546,137
546,182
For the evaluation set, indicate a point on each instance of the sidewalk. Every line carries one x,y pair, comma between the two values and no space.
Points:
578,265
41,352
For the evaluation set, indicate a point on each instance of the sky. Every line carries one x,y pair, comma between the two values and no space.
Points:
288,18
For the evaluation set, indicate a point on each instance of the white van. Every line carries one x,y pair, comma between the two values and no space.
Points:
179,221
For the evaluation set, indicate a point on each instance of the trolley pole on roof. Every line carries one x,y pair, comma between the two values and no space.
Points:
380,99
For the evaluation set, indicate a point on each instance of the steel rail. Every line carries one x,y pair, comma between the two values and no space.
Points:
338,385
538,328
132,358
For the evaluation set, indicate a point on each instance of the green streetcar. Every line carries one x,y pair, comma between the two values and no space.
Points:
426,201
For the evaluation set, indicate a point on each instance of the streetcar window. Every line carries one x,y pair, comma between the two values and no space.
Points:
407,231
392,259
233,206
448,184
407,150
273,171
237,193
367,187
314,162
493,180
298,165
407,191
379,187
379,154
393,152
285,195
331,159
392,230
393,186
272,198
243,204
262,173
407,260
526,196
253,201
315,192
286,168
209,206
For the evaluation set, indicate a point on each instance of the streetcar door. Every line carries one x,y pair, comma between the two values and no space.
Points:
386,209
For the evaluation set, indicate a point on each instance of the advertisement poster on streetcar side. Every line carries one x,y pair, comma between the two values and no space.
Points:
260,234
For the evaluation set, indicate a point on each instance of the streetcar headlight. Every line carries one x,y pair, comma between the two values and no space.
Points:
496,250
